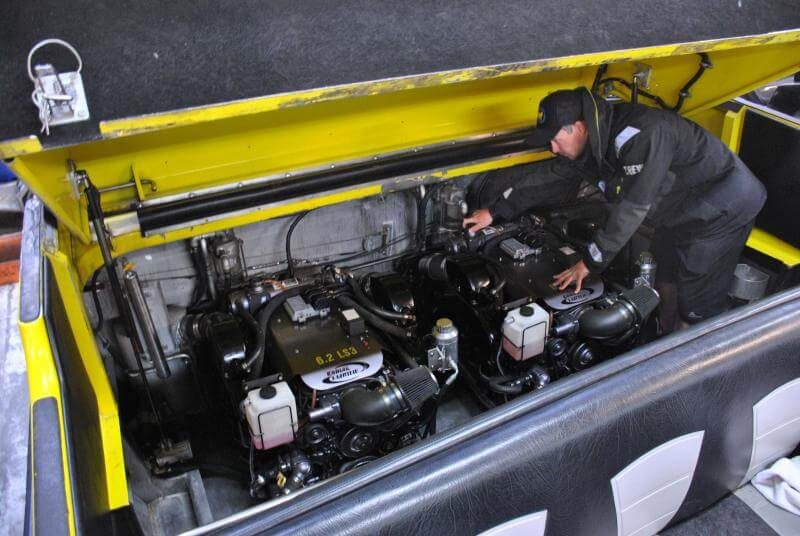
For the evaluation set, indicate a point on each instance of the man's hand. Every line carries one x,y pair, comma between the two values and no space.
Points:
479,219
576,275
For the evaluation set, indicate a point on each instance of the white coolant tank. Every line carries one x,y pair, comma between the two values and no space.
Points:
525,331
271,413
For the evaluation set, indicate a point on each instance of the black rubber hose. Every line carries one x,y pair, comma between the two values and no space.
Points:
606,323
397,348
289,260
255,360
361,407
255,327
375,320
430,427
405,356
362,298
498,385
201,288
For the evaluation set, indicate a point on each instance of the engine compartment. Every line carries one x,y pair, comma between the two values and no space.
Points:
275,372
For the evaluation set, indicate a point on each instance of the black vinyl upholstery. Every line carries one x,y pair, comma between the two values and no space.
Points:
562,456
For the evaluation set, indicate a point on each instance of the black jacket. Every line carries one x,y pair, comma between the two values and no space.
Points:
655,164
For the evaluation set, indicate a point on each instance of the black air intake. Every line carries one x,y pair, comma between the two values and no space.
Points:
631,307
407,391
644,299
417,386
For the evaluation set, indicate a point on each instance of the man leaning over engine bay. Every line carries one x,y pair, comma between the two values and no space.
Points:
652,163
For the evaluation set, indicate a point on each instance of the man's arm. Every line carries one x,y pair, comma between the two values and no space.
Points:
543,184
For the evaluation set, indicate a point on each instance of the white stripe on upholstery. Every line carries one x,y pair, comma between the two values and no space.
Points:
650,490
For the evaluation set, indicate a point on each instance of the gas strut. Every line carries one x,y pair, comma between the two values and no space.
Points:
98,223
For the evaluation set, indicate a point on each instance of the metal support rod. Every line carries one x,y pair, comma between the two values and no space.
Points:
125,186
145,321
96,217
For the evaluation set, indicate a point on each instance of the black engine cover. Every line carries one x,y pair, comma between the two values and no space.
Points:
318,343
532,277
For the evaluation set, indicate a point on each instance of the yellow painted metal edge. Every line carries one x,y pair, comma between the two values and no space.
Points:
43,383
495,163
774,247
19,146
737,92
732,127
125,127
116,486
23,172
88,257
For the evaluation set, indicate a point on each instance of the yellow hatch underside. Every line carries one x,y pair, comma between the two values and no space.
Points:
180,152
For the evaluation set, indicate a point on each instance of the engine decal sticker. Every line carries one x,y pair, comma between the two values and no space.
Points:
567,299
331,377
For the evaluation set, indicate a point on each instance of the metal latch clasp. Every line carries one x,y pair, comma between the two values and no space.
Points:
59,97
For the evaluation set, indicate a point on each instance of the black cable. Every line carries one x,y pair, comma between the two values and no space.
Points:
601,72
642,92
96,300
366,252
497,359
381,260
357,255
289,260
705,63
